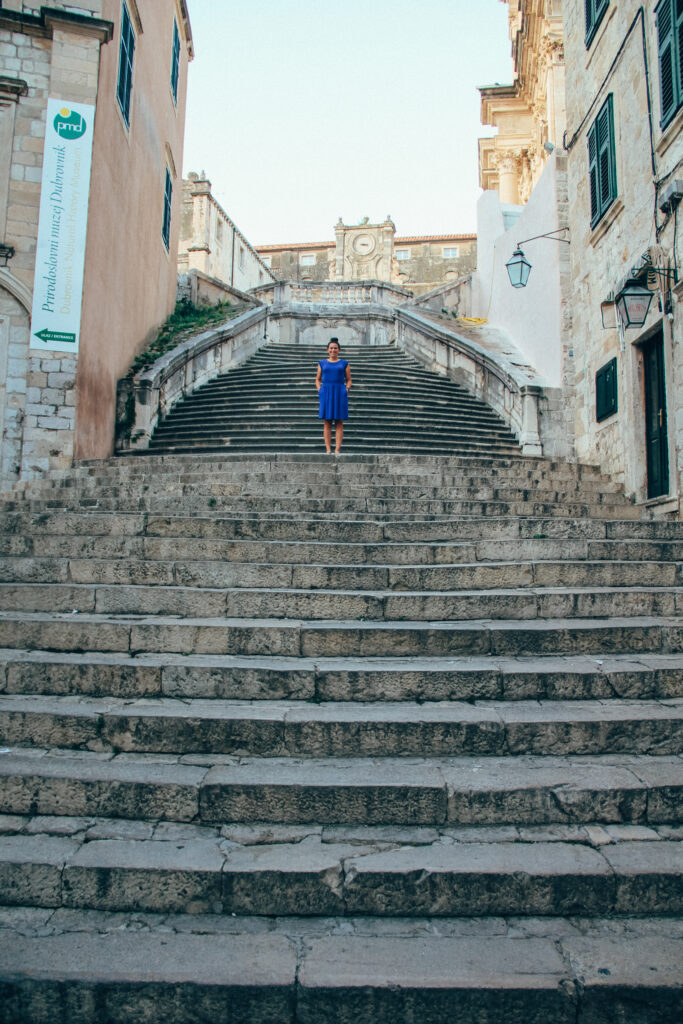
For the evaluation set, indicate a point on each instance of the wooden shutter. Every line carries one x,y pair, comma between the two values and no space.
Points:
606,168
589,16
593,172
606,390
668,78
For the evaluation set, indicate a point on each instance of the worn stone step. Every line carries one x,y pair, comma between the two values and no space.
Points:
309,575
216,789
198,549
524,604
387,729
327,529
334,638
126,968
154,502
229,677
320,879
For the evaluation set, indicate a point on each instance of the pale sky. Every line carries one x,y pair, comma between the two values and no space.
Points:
302,111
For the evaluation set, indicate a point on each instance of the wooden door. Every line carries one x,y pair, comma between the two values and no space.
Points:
656,439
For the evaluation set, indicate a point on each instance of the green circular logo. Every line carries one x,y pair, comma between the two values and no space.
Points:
68,124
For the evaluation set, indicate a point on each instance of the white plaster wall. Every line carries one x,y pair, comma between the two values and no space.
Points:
531,315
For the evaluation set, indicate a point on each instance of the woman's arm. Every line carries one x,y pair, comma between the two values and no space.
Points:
348,377
319,377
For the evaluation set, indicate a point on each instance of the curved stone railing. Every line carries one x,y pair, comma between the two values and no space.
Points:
147,397
512,392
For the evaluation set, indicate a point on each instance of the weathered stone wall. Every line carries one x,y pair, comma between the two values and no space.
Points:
601,257
56,408
211,243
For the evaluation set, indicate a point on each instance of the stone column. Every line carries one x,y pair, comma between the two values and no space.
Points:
339,250
507,161
529,437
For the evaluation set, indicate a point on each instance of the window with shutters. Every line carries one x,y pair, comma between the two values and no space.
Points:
595,11
602,170
606,390
175,61
126,54
670,47
166,222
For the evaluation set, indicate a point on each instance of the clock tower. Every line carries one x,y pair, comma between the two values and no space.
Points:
364,251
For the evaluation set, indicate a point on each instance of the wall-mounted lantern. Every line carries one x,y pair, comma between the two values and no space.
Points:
633,303
518,266
6,254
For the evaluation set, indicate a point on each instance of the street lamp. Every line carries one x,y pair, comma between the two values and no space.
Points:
518,266
633,303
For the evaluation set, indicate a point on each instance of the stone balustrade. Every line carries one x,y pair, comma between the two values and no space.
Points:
380,293
147,397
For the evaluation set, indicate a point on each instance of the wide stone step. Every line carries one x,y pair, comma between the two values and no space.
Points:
287,729
102,524
334,638
132,967
523,604
230,677
208,573
47,549
466,791
317,878
346,508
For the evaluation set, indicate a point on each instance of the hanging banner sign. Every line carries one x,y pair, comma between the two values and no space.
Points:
62,224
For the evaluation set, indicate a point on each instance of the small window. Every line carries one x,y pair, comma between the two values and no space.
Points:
450,252
126,54
166,223
308,261
606,390
241,261
670,48
403,254
602,171
175,61
219,232
595,12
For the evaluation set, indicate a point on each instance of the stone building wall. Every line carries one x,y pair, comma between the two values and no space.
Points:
368,251
602,256
211,243
57,405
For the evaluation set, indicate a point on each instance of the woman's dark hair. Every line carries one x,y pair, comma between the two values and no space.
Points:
336,342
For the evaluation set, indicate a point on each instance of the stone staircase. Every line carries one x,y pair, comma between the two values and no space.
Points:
310,740
270,403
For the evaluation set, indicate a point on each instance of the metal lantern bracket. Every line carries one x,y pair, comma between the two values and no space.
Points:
6,253
518,266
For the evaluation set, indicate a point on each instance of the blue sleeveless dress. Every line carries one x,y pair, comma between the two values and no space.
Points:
334,400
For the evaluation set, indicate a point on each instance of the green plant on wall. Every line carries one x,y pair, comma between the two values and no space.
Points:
185,320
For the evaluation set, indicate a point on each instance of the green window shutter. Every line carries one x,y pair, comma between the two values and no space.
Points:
594,10
668,76
606,390
602,170
593,173
606,156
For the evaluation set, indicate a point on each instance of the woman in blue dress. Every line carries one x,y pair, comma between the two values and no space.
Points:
333,382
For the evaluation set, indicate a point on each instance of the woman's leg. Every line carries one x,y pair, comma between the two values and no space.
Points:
339,434
327,434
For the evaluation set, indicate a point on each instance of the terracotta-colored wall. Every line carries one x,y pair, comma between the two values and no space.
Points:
130,277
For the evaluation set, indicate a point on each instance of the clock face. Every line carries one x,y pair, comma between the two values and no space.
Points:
363,244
